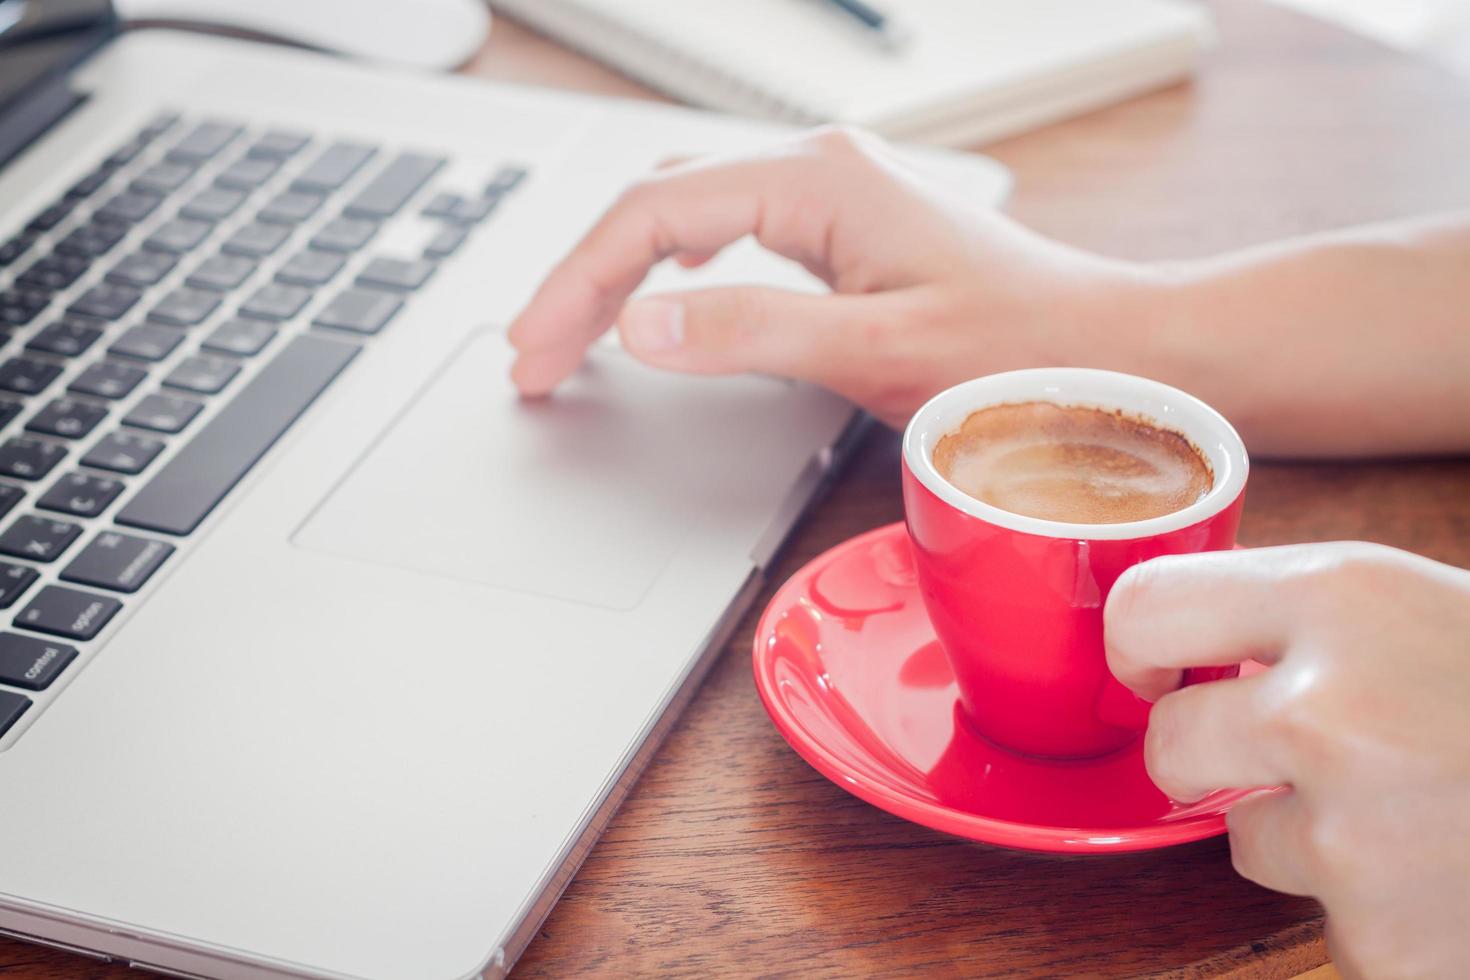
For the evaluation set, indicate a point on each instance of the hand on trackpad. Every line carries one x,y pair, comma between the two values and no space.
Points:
583,496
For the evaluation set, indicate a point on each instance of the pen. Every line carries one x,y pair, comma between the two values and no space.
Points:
882,26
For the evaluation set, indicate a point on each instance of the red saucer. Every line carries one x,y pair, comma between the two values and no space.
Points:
849,670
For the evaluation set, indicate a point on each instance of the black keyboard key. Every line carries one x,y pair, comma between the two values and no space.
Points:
15,247
15,312
130,206
474,210
185,307
146,342
179,235
64,338
25,376
334,167
89,184
54,272
29,459
290,207
212,204
257,239
344,235
12,706
92,239
279,143
160,123
38,538
359,310
28,661
52,216
81,495
248,173
204,141
240,337
107,379
163,413
10,495
401,274
68,418
310,267
125,154
142,268
163,177
8,412
390,190
123,452
443,205
506,179
117,561
221,272
14,580
106,301
20,306
193,482
275,301
445,242
71,613
204,375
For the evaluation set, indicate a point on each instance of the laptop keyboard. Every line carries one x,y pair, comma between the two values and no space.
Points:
164,323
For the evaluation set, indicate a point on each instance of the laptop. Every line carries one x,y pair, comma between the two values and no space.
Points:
321,653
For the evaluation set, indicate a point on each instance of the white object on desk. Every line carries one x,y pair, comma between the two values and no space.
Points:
971,70
433,34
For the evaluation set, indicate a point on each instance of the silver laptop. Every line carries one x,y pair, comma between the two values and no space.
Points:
322,654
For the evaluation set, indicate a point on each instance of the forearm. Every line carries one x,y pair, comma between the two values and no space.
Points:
1351,344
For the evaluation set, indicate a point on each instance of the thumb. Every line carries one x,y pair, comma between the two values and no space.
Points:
743,328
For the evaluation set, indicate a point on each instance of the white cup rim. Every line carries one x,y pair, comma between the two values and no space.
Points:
1154,401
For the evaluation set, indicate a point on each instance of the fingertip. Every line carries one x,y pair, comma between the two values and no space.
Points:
534,377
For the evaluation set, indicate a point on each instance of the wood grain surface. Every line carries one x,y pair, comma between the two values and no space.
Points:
733,857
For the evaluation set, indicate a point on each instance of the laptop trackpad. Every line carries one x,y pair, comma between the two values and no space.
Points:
584,496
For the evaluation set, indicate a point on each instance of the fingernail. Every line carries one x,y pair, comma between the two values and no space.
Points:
655,324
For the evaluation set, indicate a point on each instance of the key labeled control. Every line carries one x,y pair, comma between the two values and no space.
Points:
32,663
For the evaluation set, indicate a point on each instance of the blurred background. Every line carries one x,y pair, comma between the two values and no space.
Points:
1437,29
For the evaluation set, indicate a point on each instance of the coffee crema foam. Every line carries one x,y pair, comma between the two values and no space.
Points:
1073,464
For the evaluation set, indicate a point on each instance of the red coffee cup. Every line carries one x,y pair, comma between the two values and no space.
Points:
1017,602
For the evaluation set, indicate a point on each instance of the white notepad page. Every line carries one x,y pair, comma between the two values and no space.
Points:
972,69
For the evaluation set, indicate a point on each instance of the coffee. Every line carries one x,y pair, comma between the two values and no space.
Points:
1073,464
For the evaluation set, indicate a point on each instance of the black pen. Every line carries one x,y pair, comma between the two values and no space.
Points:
888,32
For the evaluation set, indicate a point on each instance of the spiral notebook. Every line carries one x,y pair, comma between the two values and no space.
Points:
971,70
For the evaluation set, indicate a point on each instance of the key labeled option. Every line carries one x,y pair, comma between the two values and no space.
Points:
32,663
71,613
121,562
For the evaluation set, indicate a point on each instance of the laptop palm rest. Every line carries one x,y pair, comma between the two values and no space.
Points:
583,496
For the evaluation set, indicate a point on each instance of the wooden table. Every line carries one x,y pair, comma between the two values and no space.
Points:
732,856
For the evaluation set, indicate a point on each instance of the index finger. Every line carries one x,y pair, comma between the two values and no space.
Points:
693,208
1203,610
